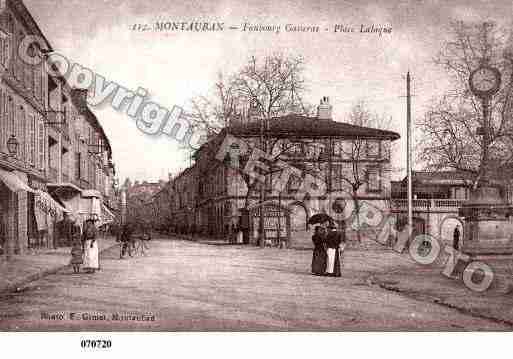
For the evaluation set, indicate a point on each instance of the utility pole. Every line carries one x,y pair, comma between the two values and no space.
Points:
409,153
263,145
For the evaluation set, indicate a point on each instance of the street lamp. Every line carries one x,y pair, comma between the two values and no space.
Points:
12,146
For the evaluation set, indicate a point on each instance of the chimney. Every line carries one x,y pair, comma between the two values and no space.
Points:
324,109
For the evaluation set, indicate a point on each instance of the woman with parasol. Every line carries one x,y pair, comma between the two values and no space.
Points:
319,256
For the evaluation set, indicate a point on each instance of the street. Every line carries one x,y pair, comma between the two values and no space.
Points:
186,286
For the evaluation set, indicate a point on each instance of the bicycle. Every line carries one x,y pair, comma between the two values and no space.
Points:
138,245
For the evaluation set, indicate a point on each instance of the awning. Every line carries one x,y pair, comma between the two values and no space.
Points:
107,215
91,193
47,210
50,202
13,182
66,185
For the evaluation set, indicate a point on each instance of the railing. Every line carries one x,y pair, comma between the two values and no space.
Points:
429,204
65,178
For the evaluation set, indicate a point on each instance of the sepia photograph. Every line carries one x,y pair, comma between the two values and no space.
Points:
260,167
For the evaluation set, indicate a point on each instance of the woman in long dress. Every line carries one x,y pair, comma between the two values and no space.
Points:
91,253
319,252
333,241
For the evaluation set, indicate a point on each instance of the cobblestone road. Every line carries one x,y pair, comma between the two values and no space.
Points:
192,286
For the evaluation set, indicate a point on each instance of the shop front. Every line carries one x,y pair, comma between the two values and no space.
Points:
13,203
44,215
70,196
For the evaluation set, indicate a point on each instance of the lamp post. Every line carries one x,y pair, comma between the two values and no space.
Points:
12,146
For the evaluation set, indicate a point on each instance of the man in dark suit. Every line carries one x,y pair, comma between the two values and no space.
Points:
333,241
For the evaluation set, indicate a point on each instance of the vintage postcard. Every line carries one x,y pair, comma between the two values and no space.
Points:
258,166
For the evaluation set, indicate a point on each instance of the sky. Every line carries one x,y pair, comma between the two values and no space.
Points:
177,66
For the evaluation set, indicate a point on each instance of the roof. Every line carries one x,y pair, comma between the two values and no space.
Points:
437,178
33,26
81,104
303,126
426,176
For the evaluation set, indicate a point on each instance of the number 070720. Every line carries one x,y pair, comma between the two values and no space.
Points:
95,344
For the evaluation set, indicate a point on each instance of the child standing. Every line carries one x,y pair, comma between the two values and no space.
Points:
77,255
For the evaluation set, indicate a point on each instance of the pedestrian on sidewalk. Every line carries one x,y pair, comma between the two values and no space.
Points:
77,249
77,255
91,252
319,253
456,238
333,241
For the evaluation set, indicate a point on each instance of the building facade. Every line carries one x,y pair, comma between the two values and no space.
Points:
214,197
139,198
44,127
437,199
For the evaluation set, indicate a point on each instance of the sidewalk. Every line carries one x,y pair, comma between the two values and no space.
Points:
428,283
22,269
205,240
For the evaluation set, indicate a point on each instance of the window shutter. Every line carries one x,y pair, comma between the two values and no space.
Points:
3,59
41,139
32,140
22,134
11,116
3,123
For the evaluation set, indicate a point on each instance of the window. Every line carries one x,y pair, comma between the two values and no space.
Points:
269,182
78,166
22,134
294,183
11,121
7,48
19,72
28,74
293,148
373,148
41,139
338,149
2,123
32,139
296,149
373,179
4,49
337,182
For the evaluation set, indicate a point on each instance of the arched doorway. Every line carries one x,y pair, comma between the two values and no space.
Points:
276,223
300,236
447,227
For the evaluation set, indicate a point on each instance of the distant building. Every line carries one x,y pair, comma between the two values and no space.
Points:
437,197
184,196
139,197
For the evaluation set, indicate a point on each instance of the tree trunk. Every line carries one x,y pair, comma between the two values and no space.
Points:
357,212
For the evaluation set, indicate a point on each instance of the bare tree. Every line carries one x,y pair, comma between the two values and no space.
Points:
356,151
260,91
452,127
210,114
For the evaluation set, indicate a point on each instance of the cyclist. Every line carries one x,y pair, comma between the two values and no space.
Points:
126,239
